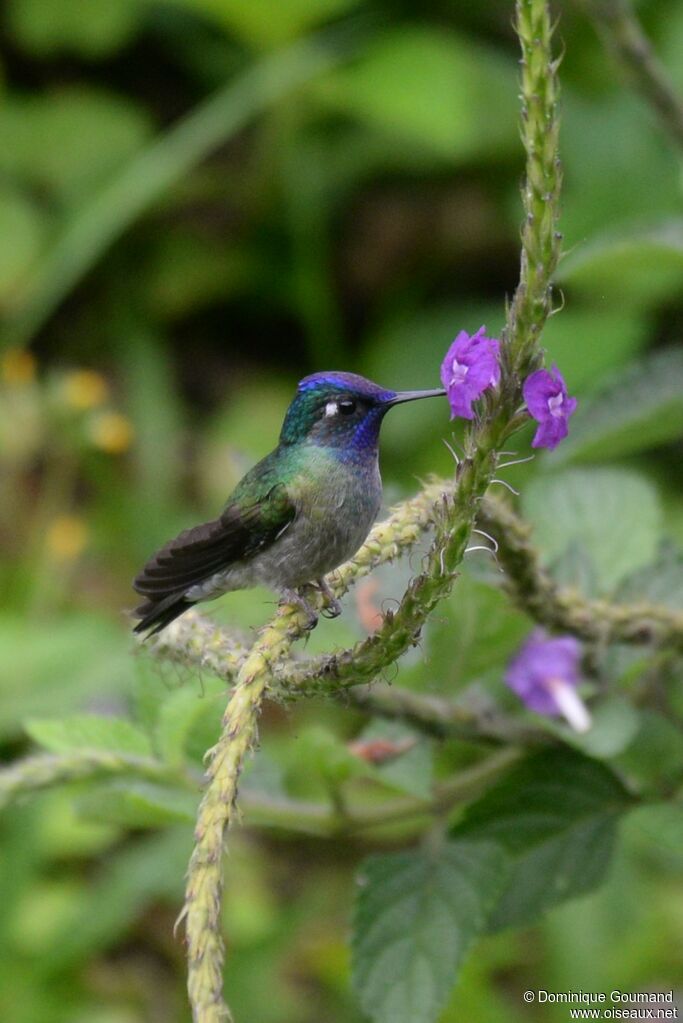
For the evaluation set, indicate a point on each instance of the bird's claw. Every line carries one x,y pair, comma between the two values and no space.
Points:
332,608
311,619
292,597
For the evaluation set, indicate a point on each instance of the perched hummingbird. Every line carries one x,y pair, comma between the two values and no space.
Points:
299,513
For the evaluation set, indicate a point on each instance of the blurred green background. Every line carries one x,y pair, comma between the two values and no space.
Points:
162,288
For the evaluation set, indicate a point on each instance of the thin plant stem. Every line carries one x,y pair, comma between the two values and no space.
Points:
218,809
47,770
44,771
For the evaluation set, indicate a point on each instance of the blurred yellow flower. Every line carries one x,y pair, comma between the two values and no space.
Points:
17,366
111,431
84,388
66,537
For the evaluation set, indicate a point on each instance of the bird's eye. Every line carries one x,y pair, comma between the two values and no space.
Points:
347,407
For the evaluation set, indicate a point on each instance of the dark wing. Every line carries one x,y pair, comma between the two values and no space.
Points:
244,528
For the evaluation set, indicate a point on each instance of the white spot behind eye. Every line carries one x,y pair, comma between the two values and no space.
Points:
331,408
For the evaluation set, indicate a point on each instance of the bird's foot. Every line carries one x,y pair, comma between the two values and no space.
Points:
332,607
294,597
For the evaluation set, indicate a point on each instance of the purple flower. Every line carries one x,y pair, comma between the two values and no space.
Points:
470,366
545,673
545,394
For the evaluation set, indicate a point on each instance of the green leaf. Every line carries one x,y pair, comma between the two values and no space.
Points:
47,670
569,340
328,757
472,636
188,271
575,568
656,830
138,874
98,222
655,760
394,84
269,22
91,28
139,804
617,131
613,513
615,723
151,689
70,141
658,583
556,815
22,229
179,715
416,915
637,409
631,265
89,731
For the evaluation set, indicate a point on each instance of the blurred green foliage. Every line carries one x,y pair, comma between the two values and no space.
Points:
161,291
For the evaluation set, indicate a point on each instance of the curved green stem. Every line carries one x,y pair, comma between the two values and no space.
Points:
47,770
218,809
44,771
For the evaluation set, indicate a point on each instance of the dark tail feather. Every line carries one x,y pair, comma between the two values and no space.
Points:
155,615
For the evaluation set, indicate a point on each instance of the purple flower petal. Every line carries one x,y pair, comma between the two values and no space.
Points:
540,663
461,404
469,368
549,433
545,394
537,390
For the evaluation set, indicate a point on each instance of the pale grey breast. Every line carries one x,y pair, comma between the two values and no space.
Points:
325,532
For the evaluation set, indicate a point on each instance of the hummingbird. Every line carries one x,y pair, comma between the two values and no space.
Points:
295,516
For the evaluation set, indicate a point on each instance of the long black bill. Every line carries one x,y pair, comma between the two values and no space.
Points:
414,395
